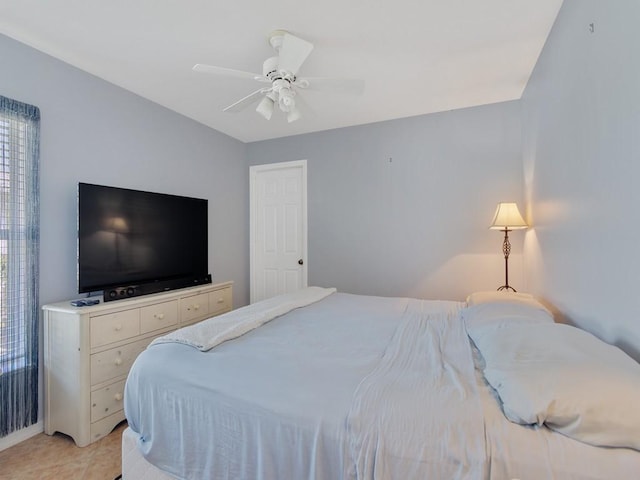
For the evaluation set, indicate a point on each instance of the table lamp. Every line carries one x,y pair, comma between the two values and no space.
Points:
507,218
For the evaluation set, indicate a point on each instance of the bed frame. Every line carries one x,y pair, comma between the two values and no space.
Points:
134,466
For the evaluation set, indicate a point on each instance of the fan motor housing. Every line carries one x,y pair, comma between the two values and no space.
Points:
269,67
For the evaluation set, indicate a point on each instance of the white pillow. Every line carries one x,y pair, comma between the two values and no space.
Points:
499,296
502,306
565,378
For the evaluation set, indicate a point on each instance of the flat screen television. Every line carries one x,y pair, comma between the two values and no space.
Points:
132,242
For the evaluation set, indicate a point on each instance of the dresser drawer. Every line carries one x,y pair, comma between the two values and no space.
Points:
194,307
220,301
158,316
113,327
115,362
107,400
103,427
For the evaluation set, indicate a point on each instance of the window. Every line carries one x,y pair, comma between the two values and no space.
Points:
19,242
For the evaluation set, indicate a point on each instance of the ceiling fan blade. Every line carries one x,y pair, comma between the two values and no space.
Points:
352,86
228,72
293,52
246,101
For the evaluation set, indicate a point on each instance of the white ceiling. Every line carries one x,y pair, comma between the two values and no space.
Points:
416,56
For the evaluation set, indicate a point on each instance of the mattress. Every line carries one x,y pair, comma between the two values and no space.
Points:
348,387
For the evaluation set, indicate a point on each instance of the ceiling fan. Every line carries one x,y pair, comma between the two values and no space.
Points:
281,75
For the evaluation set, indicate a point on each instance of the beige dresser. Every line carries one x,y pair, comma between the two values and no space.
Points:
89,350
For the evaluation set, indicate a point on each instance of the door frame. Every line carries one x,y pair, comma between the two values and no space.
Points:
254,171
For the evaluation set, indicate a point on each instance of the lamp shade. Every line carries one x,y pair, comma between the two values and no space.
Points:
507,217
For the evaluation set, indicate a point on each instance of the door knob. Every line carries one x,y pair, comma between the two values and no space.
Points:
300,262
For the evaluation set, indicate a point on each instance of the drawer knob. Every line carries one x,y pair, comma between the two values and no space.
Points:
118,361
118,327
118,396
221,300
159,316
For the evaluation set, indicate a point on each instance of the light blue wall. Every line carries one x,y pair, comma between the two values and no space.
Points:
93,131
402,207
581,123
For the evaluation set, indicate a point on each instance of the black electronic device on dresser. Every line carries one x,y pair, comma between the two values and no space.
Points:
133,243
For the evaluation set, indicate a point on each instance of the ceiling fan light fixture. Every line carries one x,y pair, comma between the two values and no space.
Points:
265,107
286,100
294,114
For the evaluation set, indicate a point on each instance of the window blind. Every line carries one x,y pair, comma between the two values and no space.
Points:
19,248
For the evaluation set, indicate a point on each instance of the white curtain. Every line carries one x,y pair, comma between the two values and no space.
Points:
19,251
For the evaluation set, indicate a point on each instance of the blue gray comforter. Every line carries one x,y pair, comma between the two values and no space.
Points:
344,388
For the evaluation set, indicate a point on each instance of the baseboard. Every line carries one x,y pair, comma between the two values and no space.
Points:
21,435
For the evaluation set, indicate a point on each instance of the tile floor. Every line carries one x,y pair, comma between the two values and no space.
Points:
45,457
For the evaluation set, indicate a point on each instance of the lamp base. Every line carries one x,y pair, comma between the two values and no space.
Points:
507,288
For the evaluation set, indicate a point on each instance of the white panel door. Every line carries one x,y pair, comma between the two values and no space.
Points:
278,228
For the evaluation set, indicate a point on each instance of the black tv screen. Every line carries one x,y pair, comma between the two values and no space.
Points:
129,237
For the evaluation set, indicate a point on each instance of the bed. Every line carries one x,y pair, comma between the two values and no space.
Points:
325,385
